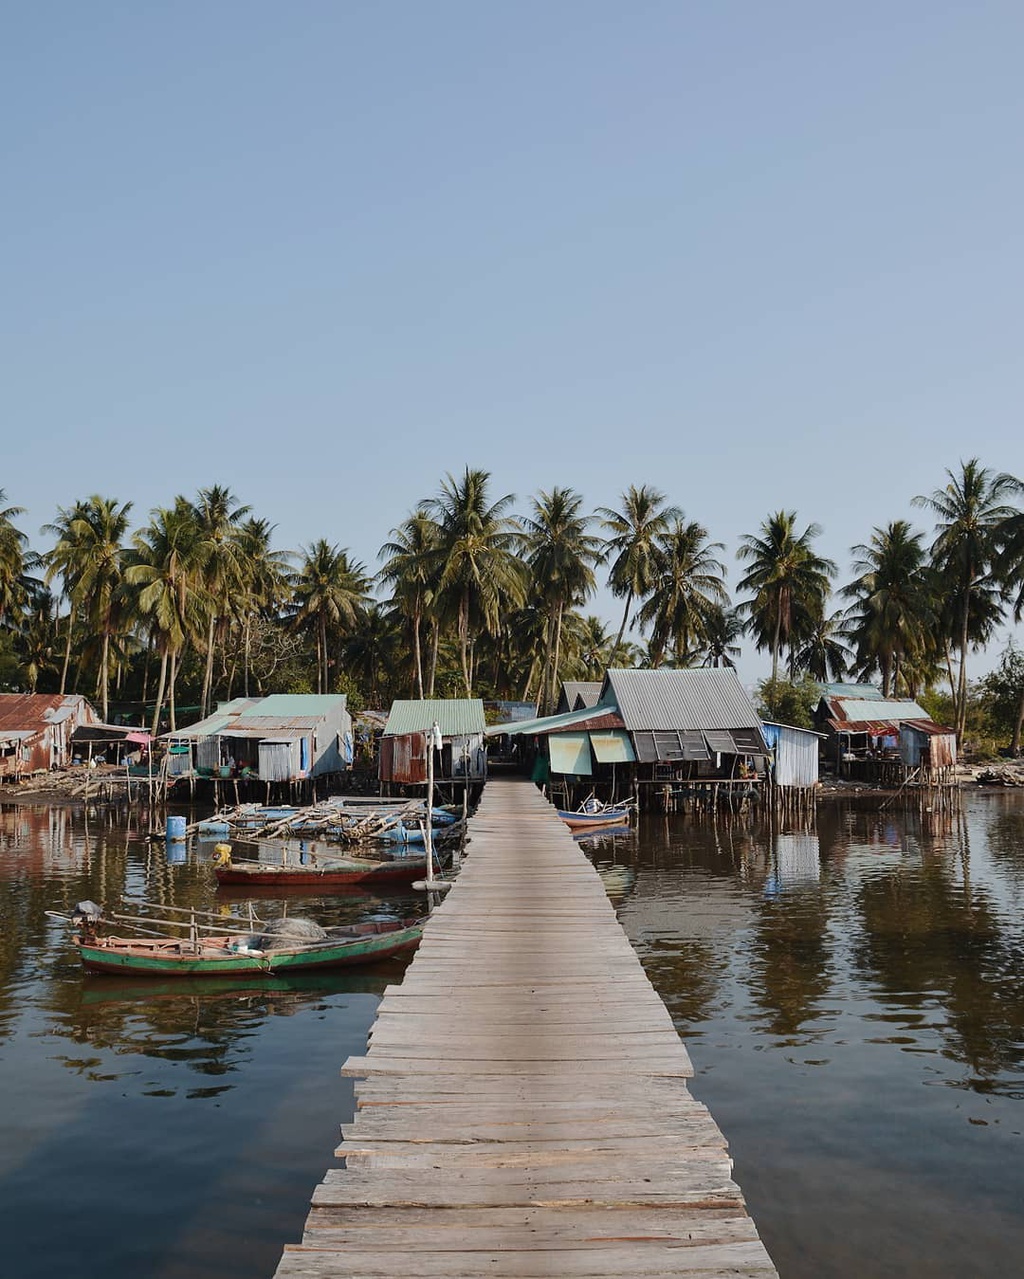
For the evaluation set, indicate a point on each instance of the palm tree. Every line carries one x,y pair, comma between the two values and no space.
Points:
167,568
632,544
686,592
264,581
218,515
480,576
595,645
561,556
412,569
972,510
373,651
37,639
15,561
100,530
723,629
892,617
822,653
329,592
789,580
68,558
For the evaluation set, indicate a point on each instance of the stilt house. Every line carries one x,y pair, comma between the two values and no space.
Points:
665,734
282,738
36,730
403,757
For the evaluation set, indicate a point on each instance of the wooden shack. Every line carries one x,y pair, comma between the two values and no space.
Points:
403,752
36,731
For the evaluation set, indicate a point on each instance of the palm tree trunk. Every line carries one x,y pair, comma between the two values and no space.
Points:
962,680
1018,726
174,680
248,639
952,684
416,619
557,655
322,679
104,658
625,619
776,645
160,693
435,644
464,643
67,650
146,665
208,672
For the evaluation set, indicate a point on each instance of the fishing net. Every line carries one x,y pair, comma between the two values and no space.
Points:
280,933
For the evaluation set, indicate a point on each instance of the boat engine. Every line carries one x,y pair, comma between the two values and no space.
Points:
87,913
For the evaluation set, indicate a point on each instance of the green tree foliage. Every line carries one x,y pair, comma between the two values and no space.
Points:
632,544
198,604
560,555
1003,693
790,584
972,512
789,701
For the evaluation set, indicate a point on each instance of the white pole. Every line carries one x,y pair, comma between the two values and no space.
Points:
429,831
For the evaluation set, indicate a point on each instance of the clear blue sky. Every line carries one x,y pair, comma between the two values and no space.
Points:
759,255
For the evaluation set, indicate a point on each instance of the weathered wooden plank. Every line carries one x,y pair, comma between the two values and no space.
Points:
482,1188
424,1229
678,1064
637,1259
522,1109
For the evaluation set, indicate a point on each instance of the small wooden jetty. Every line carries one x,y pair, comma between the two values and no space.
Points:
523,1110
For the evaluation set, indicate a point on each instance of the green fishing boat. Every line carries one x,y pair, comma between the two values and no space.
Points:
279,946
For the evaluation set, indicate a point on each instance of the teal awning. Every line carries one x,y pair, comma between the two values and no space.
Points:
570,753
612,746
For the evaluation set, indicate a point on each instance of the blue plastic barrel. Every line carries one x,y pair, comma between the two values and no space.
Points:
177,854
175,829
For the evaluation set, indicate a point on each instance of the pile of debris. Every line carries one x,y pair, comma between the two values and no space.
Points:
1006,775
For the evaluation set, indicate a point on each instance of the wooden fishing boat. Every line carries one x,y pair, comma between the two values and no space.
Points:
381,869
246,954
613,815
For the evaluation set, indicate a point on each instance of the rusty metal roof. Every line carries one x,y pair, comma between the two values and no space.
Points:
870,727
33,711
929,727
863,709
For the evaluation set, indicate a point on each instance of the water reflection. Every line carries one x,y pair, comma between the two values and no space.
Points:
850,990
851,993
208,1107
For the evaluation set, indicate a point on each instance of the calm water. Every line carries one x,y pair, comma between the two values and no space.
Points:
851,997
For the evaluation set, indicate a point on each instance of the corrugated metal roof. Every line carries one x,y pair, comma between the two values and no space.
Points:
265,716
591,717
655,701
455,717
869,727
283,707
790,728
856,710
36,710
579,693
860,692
928,727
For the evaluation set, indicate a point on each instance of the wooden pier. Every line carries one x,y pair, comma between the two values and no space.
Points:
524,1110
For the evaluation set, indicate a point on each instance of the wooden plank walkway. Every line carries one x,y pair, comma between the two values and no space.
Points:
524,1110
